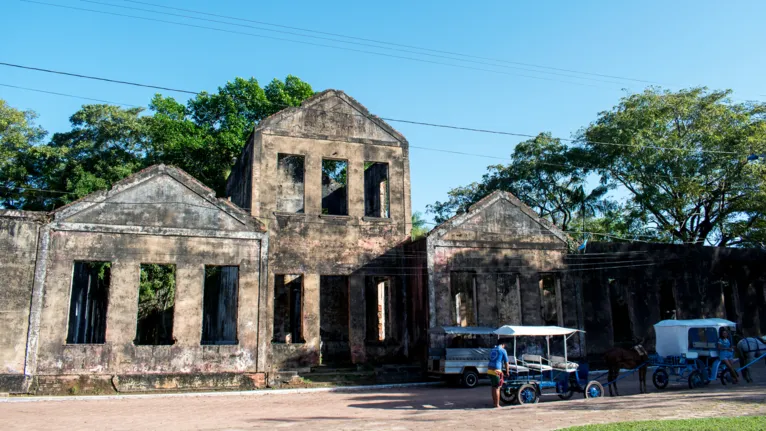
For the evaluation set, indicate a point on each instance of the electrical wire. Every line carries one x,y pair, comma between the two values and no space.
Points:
399,45
351,42
373,118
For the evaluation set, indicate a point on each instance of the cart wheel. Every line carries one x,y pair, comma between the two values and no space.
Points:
527,395
726,376
660,378
696,380
566,395
508,396
594,389
470,378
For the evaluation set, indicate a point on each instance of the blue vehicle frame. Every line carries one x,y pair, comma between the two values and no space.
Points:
532,378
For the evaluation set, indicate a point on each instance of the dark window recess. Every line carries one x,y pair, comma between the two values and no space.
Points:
378,308
548,300
463,286
376,190
334,187
88,303
290,183
334,320
623,332
219,305
288,308
667,300
156,301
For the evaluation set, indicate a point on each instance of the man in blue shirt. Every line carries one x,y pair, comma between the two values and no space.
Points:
498,366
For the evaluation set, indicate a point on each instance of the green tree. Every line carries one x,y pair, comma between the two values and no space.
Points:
682,157
20,140
106,144
544,174
205,136
419,226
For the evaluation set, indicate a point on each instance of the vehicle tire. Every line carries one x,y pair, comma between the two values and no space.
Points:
660,378
527,395
726,376
508,396
470,378
566,395
696,380
594,389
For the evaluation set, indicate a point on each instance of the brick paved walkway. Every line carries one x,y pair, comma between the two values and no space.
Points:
419,409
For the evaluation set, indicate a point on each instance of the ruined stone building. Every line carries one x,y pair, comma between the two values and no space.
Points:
71,302
627,287
332,183
496,264
158,284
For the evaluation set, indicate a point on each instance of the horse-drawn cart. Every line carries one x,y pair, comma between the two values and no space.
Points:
534,375
686,352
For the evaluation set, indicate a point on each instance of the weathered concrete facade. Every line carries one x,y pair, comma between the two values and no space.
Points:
329,235
627,288
158,216
499,263
19,236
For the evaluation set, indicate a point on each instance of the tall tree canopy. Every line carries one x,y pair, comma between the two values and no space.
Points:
19,137
682,156
107,143
544,174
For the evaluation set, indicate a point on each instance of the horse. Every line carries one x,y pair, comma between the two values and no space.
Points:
747,350
617,358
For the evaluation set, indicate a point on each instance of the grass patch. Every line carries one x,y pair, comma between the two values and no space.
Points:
742,423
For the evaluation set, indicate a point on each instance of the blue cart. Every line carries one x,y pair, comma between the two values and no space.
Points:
533,376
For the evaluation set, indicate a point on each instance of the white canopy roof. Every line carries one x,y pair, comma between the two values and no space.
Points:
697,323
673,335
462,330
533,331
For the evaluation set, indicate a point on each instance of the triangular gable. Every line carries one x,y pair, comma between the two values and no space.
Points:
332,113
159,197
499,217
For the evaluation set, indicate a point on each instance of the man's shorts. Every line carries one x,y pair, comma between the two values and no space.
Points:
496,378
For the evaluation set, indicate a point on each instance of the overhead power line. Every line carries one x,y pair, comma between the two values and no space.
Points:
420,123
67,95
397,44
97,78
336,40
421,60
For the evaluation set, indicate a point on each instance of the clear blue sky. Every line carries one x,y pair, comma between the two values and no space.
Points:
678,44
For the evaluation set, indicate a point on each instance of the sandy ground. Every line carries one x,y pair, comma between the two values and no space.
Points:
418,408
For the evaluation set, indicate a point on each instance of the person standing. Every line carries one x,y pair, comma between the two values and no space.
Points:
497,368
726,352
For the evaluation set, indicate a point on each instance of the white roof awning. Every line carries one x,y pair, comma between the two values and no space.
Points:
462,330
534,331
696,323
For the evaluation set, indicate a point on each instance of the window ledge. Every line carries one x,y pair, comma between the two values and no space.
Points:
335,217
282,343
378,219
286,214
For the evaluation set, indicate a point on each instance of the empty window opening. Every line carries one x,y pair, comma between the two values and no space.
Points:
156,302
290,183
334,319
376,190
463,287
288,308
219,305
667,300
88,303
378,304
334,187
549,305
621,326
729,302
